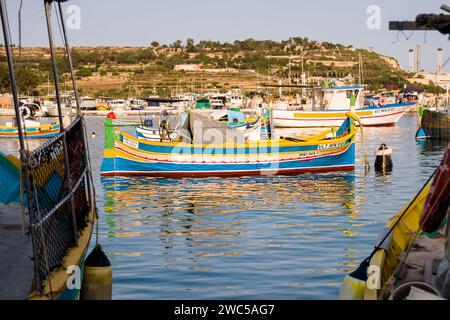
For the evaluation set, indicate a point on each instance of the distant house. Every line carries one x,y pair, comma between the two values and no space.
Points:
5,101
187,67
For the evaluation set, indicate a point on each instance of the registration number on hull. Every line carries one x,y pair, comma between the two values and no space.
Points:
383,110
130,142
330,145
307,154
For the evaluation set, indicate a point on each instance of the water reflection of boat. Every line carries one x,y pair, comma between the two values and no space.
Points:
198,196
212,225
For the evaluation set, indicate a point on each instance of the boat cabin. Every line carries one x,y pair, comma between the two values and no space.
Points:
338,98
203,104
88,103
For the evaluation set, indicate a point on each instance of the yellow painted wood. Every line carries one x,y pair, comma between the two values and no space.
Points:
402,235
58,278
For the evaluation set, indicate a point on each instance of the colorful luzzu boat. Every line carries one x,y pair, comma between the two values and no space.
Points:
208,148
33,130
334,104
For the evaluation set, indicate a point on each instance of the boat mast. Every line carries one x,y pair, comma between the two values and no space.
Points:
12,75
69,57
359,68
67,173
25,178
90,188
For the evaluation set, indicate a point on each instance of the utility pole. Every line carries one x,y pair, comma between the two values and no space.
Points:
418,57
290,83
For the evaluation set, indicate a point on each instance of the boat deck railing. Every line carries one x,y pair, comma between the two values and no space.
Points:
58,205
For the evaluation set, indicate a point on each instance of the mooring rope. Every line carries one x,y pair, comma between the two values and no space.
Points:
366,160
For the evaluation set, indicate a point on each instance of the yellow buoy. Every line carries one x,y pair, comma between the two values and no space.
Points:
97,276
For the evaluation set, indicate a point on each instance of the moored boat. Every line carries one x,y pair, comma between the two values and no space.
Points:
152,133
411,257
433,125
32,130
206,147
47,197
333,103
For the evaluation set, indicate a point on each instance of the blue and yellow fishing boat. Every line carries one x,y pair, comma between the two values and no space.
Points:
206,147
32,130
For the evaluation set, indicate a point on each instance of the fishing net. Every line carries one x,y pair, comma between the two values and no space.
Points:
55,224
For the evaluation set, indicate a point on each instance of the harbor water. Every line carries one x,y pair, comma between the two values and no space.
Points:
268,237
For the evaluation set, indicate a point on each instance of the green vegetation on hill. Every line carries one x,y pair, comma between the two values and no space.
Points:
150,69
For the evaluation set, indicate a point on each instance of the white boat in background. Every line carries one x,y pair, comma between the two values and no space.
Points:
50,108
30,110
234,99
152,133
88,104
118,104
216,103
136,104
333,103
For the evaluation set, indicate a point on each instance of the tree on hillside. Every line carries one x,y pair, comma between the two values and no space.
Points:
154,44
5,84
190,46
177,45
27,79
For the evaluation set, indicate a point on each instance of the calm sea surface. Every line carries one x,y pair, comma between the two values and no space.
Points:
281,237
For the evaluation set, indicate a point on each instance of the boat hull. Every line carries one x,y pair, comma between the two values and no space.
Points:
133,157
41,132
435,124
370,116
121,166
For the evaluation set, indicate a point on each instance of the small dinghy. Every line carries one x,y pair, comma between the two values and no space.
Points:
32,130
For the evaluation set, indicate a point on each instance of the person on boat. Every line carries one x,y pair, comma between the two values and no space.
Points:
164,128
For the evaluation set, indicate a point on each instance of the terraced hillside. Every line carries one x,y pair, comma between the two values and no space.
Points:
169,69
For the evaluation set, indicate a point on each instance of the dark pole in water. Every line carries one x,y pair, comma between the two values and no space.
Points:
48,7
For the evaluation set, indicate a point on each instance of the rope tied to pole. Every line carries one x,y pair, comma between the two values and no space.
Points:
366,160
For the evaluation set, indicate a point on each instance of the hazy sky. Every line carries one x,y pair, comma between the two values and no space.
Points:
138,22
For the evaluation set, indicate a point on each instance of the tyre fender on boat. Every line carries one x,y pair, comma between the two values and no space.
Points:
26,112
438,200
